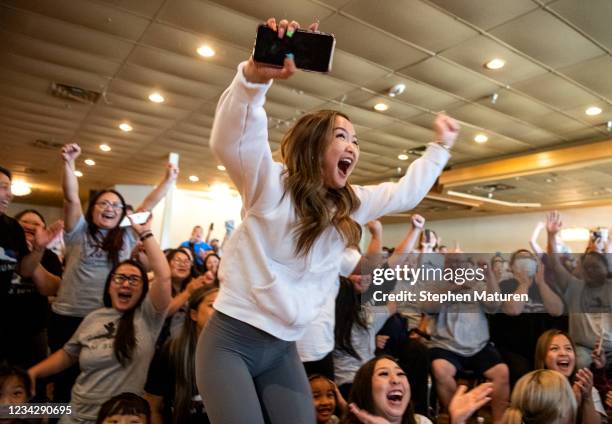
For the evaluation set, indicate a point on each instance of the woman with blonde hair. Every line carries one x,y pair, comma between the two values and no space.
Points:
542,397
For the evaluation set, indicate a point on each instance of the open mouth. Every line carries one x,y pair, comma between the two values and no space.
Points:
325,410
395,397
124,297
108,215
563,364
344,164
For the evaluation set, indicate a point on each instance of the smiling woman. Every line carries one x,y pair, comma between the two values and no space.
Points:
95,243
280,265
115,344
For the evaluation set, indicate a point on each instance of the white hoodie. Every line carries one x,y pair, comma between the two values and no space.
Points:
263,282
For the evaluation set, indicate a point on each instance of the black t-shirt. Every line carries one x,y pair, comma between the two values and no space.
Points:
23,311
161,381
519,334
27,308
13,248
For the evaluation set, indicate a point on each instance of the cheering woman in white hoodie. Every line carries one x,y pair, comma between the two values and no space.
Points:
280,265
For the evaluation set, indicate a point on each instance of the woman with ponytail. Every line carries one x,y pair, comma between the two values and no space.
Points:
542,397
114,345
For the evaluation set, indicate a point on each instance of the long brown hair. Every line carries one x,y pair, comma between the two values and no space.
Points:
112,242
302,151
543,344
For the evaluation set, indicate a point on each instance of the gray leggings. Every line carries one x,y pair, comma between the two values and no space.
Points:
247,376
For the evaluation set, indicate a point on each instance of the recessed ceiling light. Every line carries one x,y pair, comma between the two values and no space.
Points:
381,107
221,167
124,126
105,147
194,178
20,188
78,173
481,138
156,98
402,156
593,110
90,162
495,64
206,51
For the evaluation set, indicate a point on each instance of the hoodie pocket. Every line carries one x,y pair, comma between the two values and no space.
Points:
296,300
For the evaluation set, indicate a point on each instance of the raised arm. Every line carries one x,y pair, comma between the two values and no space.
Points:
70,186
553,226
386,198
159,192
30,264
407,244
160,291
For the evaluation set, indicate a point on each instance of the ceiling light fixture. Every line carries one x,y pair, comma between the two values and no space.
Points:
78,173
495,64
609,125
194,178
494,98
381,107
20,188
156,98
396,90
90,162
221,167
403,156
593,110
105,147
481,138
125,127
206,51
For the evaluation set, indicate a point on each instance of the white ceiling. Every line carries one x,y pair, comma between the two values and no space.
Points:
557,53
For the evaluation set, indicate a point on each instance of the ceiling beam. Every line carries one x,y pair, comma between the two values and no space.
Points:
533,163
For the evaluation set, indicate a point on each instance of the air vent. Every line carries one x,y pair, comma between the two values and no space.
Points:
418,151
35,171
47,145
77,94
490,188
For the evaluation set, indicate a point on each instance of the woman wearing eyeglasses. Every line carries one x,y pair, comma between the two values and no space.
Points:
115,344
94,244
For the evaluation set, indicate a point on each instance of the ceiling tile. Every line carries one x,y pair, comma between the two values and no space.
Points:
547,39
487,14
592,16
413,21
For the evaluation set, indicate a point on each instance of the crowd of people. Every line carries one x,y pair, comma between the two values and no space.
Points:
275,322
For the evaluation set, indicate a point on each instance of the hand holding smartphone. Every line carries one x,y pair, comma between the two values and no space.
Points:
312,51
138,218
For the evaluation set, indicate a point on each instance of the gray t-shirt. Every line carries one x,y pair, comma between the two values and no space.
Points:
102,376
364,343
589,313
86,269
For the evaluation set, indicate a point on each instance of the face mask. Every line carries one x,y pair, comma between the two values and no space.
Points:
526,265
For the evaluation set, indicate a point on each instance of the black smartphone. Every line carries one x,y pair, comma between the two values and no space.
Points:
312,51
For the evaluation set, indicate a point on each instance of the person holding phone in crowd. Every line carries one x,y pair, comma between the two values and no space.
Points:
280,265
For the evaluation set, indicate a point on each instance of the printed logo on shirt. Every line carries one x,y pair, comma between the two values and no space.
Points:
19,287
94,255
8,260
109,334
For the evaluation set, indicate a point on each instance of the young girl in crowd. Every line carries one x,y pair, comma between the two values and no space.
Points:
279,267
542,397
94,245
555,350
126,408
115,344
171,388
327,399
